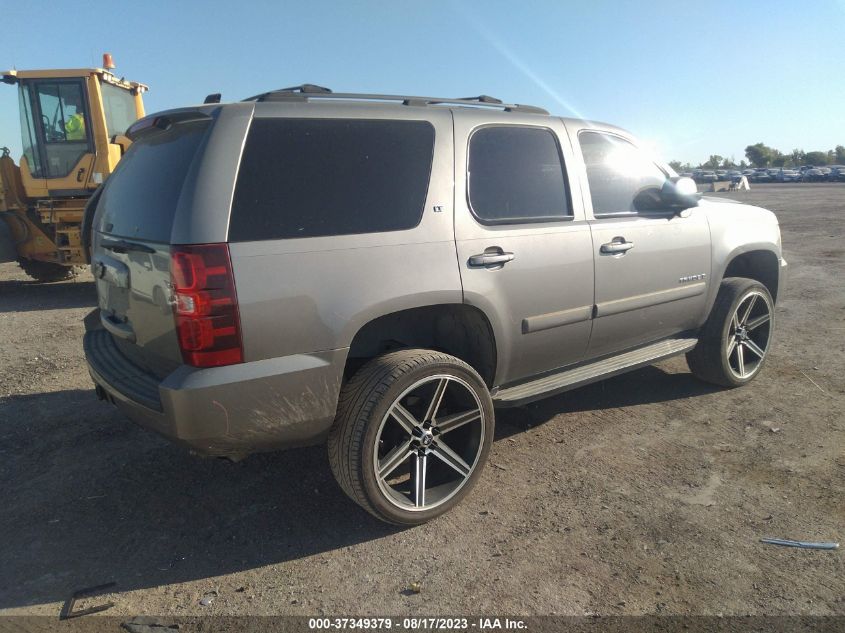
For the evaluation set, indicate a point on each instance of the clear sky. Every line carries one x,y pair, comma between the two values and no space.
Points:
690,78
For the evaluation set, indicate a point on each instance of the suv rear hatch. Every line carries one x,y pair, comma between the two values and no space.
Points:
134,220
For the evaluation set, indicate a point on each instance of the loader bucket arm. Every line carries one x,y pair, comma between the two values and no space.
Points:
12,194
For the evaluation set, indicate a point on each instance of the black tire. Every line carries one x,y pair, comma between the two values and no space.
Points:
366,401
710,360
47,272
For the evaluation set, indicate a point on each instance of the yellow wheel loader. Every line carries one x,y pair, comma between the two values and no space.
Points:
72,124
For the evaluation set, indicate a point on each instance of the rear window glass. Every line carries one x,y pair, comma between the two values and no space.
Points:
140,198
516,175
314,177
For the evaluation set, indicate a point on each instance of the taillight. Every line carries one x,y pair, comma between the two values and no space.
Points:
206,305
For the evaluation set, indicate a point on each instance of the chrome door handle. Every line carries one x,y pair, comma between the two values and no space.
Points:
491,259
618,245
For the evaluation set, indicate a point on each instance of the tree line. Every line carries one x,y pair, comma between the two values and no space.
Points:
761,155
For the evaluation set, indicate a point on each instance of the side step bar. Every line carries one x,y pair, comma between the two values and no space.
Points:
585,374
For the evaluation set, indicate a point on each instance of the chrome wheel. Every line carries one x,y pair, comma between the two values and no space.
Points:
429,443
748,334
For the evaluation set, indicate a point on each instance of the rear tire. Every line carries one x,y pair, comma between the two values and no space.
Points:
734,342
47,272
413,431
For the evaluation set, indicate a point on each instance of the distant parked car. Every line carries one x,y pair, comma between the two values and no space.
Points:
721,174
707,176
734,175
813,175
761,175
837,174
788,175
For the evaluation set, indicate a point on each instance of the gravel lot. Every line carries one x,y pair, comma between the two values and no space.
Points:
646,493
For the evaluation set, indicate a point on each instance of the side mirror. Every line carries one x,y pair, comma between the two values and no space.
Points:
680,193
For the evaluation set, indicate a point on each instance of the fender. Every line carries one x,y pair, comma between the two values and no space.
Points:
736,229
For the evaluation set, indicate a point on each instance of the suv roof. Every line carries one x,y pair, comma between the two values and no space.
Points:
306,92
382,105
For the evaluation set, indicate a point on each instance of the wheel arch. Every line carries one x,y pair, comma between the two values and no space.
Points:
759,261
457,329
761,264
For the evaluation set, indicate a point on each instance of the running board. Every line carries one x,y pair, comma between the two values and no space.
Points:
599,370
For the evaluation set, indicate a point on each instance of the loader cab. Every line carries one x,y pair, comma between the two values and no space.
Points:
72,125
55,126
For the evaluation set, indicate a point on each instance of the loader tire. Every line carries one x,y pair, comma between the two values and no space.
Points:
47,272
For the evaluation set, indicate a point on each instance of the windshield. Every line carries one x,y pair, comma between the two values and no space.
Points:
119,106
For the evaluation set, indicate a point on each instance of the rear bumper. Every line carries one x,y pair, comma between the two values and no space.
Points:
233,410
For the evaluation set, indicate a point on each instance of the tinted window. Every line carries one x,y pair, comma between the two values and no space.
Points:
312,177
516,175
140,198
622,178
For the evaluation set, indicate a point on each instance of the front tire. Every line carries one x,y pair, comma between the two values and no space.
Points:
735,340
413,431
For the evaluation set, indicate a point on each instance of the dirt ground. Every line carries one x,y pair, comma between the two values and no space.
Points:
644,494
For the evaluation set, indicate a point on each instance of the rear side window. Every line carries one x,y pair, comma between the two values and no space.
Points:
516,175
140,198
316,177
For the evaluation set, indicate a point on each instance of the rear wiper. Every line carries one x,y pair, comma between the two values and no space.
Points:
122,246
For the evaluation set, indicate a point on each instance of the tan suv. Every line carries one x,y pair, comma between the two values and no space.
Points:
381,271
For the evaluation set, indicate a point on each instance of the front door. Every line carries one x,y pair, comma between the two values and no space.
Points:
524,248
652,267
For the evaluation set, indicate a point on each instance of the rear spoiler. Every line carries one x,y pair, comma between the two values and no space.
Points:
163,121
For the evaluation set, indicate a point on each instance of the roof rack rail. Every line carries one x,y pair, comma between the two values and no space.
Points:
300,89
306,92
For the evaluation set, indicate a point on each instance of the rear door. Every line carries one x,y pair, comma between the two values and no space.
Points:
524,248
652,267
341,214
133,227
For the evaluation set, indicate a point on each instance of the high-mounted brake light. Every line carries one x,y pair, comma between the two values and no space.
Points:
206,305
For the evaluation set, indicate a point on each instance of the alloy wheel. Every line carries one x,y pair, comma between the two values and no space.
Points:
429,443
749,334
